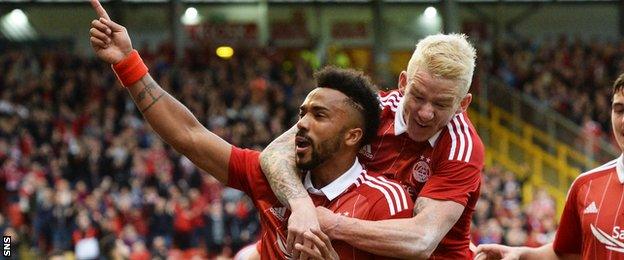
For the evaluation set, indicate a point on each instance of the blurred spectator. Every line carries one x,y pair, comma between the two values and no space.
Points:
500,217
159,249
84,238
139,251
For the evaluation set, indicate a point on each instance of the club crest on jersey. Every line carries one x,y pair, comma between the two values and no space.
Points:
421,170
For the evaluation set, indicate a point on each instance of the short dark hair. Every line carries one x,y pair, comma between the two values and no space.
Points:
359,89
618,85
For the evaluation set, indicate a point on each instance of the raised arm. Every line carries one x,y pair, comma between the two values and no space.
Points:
171,120
413,238
279,166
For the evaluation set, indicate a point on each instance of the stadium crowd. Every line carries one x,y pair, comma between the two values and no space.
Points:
77,162
572,76
501,218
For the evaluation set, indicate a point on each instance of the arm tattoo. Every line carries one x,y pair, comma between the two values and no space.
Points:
150,87
278,164
419,206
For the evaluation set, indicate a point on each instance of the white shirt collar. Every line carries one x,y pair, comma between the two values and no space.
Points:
620,168
400,126
338,186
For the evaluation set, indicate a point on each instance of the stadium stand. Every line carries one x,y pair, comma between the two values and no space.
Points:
77,161
570,75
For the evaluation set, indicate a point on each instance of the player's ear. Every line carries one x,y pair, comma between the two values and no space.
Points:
402,81
464,103
353,136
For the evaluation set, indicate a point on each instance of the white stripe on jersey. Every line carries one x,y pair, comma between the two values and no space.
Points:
394,95
396,185
395,194
359,181
468,138
391,100
390,104
462,142
400,197
385,193
453,140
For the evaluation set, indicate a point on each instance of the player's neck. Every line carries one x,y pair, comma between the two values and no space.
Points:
332,168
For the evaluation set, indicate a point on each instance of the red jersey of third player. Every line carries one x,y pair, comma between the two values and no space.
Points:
446,167
357,193
592,223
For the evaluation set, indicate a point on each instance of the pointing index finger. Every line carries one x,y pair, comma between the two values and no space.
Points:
101,12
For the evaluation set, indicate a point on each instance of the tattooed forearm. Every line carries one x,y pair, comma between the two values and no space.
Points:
153,102
282,177
150,90
278,164
419,205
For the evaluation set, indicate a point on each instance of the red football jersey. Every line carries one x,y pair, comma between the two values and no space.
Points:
357,193
592,223
446,167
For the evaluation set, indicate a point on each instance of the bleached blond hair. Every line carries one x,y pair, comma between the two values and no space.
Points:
445,56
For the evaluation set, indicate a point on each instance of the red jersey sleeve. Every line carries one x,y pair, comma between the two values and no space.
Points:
453,180
569,236
244,169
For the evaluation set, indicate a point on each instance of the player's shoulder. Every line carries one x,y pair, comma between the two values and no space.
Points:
239,151
245,156
389,101
598,172
378,189
459,141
